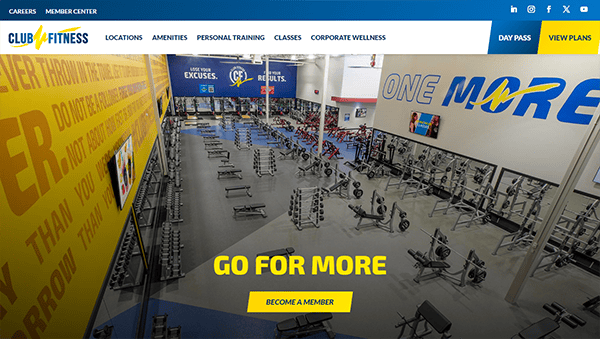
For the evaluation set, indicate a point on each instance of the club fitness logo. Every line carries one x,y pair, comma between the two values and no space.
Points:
238,76
499,94
66,36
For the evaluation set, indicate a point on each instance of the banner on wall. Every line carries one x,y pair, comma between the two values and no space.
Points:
196,76
63,117
526,113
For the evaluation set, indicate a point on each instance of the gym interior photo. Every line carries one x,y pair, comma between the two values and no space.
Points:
441,195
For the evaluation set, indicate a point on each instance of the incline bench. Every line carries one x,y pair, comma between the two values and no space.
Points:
233,172
235,188
252,209
304,325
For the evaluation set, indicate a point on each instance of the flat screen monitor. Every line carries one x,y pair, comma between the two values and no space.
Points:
122,171
424,124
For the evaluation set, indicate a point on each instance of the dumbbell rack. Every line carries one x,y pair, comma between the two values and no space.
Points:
243,139
173,189
144,208
306,207
227,123
170,253
173,202
160,329
264,161
124,273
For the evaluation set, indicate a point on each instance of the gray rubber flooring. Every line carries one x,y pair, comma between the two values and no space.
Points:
209,229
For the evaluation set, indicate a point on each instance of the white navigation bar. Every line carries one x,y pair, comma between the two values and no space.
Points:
234,37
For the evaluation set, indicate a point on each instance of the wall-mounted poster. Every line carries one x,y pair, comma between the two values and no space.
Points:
424,124
122,171
347,117
361,113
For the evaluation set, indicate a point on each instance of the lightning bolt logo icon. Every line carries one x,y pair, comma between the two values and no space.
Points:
239,81
40,37
502,94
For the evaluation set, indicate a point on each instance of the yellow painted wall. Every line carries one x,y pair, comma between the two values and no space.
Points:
161,79
61,119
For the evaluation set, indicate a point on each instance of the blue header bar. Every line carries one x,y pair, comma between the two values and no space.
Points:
168,10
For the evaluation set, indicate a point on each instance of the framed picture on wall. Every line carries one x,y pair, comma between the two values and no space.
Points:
347,117
361,113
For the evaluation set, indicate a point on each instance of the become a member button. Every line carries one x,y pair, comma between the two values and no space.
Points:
299,302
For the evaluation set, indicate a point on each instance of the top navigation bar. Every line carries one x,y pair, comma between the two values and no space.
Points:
301,10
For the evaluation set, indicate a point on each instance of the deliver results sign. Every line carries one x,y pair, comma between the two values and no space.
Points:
196,76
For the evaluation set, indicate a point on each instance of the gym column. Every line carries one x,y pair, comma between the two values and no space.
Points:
267,87
161,144
568,183
323,104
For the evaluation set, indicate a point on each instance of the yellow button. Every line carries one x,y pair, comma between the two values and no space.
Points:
569,37
299,302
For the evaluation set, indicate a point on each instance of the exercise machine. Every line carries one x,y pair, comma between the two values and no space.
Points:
525,233
342,182
378,215
434,259
570,230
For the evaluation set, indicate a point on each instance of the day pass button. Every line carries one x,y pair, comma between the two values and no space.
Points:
299,302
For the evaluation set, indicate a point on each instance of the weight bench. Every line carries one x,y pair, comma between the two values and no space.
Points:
430,315
423,260
305,325
438,267
213,145
229,173
218,153
253,209
364,215
544,327
280,252
226,163
592,304
310,167
235,188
